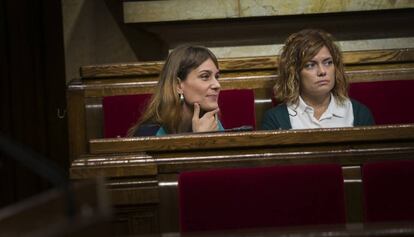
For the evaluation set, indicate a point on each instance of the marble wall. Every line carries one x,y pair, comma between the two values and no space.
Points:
350,45
113,31
179,10
92,36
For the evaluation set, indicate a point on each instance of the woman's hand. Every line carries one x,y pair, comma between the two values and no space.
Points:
207,123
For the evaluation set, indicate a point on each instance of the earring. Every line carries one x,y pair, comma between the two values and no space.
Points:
182,97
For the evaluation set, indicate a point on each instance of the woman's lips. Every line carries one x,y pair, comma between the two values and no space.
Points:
212,96
322,82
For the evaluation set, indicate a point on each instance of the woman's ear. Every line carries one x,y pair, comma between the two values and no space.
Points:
179,86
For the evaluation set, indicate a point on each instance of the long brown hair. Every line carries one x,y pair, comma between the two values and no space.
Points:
299,48
165,107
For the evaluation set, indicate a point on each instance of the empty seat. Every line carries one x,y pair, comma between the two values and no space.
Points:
237,108
388,191
121,112
389,101
237,198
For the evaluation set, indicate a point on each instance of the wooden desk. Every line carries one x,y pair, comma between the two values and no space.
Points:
142,172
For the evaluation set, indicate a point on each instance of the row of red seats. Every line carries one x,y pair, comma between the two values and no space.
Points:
291,195
389,101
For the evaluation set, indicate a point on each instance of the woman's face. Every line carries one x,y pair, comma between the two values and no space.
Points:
318,75
201,86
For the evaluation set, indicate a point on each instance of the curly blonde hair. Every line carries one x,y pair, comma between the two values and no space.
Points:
300,48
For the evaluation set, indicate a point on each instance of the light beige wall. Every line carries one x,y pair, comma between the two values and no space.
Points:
114,31
92,36
237,28
173,10
349,45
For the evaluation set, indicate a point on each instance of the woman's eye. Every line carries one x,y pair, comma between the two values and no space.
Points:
309,65
205,77
330,62
217,76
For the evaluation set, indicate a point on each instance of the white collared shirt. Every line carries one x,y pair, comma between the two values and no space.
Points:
301,116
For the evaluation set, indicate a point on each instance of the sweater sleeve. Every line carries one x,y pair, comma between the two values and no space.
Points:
147,130
269,121
362,114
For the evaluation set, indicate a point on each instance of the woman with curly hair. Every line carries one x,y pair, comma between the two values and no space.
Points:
312,86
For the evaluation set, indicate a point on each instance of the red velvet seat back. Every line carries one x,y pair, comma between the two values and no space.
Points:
389,101
388,191
121,112
237,108
261,197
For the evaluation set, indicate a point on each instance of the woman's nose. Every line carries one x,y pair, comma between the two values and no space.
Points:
321,70
216,84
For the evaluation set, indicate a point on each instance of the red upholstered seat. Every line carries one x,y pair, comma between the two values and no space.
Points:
121,112
388,191
389,101
290,195
237,108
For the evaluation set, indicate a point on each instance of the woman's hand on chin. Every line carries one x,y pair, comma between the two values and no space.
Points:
207,123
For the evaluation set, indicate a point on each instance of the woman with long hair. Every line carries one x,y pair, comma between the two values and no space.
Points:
186,96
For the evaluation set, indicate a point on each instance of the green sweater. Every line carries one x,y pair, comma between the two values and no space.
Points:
278,117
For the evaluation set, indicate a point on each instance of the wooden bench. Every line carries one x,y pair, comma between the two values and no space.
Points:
85,94
142,172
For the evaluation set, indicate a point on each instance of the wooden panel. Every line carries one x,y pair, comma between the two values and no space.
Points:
108,70
113,171
136,220
132,166
76,123
249,63
252,139
382,73
378,56
133,196
353,193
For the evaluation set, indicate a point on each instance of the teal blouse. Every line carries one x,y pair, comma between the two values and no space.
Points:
161,131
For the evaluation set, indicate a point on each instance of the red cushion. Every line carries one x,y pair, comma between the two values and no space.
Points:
237,108
389,101
121,112
388,191
261,197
